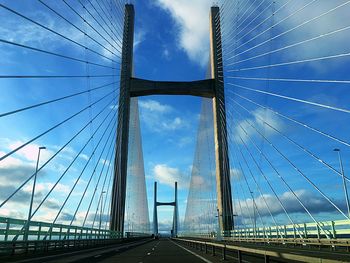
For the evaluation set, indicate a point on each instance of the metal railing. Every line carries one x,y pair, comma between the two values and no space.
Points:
17,237
330,233
11,228
265,253
327,229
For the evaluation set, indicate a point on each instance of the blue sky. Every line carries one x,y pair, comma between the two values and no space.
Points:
170,44
168,125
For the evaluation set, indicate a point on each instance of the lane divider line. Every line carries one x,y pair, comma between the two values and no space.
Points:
195,254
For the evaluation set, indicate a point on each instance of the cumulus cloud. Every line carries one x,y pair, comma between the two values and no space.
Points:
169,175
30,152
322,20
15,170
21,31
315,204
166,53
184,141
192,21
140,36
154,106
160,117
309,29
235,174
261,120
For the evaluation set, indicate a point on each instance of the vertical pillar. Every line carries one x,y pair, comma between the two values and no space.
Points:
155,214
223,185
121,155
176,211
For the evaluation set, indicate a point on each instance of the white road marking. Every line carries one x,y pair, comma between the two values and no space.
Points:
148,254
237,259
198,256
97,256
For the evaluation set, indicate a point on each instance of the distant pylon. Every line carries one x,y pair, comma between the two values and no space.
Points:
155,212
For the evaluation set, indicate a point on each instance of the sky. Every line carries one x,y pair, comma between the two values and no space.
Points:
172,43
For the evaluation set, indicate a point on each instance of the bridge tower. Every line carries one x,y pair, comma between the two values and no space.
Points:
208,88
155,212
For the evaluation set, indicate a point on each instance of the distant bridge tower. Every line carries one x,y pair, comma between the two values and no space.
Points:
209,88
155,212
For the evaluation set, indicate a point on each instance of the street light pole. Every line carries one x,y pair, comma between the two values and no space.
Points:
33,192
254,229
219,228
344,182
101,208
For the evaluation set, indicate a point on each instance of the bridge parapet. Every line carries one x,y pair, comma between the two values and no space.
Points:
327,233
47,236
11,228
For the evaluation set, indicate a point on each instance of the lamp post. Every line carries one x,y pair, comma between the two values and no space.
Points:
254,229
344,182
32,197
219,228
132,222
101,208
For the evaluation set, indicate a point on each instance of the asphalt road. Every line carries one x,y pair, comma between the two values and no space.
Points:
164,251
151,251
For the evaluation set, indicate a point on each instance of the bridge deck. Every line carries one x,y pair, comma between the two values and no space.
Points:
166,250
163,250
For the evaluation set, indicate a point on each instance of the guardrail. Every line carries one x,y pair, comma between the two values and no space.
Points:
11,228
16,236
327,229
322,230
265,253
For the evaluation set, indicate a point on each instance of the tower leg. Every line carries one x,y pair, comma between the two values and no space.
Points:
176,213
155,214
121,155
223,185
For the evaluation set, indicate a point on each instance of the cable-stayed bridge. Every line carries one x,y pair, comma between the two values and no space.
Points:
269,175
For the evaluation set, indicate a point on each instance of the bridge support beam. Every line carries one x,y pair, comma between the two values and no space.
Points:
155,212
223,185
121,155
200,88
210,88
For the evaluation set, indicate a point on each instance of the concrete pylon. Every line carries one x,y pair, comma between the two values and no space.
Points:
176,214
155,212
122,143
223,184
208,88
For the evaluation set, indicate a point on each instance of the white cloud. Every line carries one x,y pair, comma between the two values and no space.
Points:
166,53
235,174
192,20
174,124
261,117
159,117
169,175
30,151
140,36
184,141
295,24
105,162
315,204
9,161
84,156
154,106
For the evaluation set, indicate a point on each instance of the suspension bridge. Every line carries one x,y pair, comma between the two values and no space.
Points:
268,180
